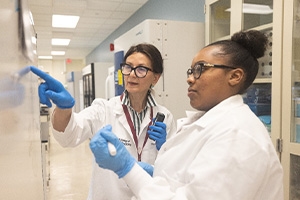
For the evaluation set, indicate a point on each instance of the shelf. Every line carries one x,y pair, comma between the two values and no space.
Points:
263,27
227,37
263,80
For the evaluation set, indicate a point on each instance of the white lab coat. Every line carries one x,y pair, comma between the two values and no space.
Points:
225,154
105,184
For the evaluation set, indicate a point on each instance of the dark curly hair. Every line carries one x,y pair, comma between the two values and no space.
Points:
243,50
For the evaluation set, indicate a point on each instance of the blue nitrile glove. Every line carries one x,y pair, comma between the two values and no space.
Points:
147,167
121,163
54,90
158,133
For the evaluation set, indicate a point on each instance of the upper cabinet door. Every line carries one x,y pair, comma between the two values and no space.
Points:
217,20
257,14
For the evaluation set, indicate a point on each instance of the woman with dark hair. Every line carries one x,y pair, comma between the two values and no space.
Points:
130,115
222,151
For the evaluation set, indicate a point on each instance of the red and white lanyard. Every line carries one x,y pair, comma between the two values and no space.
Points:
133,131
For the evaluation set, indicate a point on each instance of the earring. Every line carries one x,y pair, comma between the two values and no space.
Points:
150,89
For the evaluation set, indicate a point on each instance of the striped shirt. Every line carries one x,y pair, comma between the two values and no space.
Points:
136,117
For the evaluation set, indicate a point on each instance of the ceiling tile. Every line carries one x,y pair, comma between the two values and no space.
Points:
128,7
103,5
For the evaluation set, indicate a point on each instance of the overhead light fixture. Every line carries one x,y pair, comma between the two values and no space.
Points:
58,53
45,57
255,9
64,21
60,42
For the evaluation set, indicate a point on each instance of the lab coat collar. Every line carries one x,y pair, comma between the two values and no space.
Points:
119,114
118,107
215,113
191,116
201,118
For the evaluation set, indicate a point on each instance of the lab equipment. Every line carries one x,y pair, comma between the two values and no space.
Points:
54,90
112,149
20,146
74,87
94,78
121,163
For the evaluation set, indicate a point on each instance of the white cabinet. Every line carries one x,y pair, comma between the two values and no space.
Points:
225,17
20,144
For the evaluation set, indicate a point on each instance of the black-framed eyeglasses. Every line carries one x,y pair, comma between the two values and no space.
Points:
199,67
139,71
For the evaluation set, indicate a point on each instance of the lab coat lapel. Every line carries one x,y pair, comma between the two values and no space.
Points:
146,122
120,116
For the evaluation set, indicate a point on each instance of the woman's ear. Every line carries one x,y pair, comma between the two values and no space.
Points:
156,78
236,76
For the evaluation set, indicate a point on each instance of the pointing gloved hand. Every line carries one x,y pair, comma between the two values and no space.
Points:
121,163
147,167
54,90
158,133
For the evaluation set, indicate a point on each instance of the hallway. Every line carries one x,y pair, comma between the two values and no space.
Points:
70,171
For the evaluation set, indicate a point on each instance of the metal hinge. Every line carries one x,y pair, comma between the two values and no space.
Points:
279,145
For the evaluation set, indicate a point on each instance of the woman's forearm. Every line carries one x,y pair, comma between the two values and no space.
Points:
61,118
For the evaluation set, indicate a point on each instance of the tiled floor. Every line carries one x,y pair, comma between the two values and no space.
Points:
70,171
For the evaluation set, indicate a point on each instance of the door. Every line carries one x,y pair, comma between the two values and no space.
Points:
290,98
88,91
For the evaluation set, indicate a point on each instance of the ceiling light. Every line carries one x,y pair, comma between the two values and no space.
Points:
45,57
60,42
58,53
64,21
255,9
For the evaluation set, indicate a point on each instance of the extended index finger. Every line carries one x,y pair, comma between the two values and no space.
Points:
41,74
